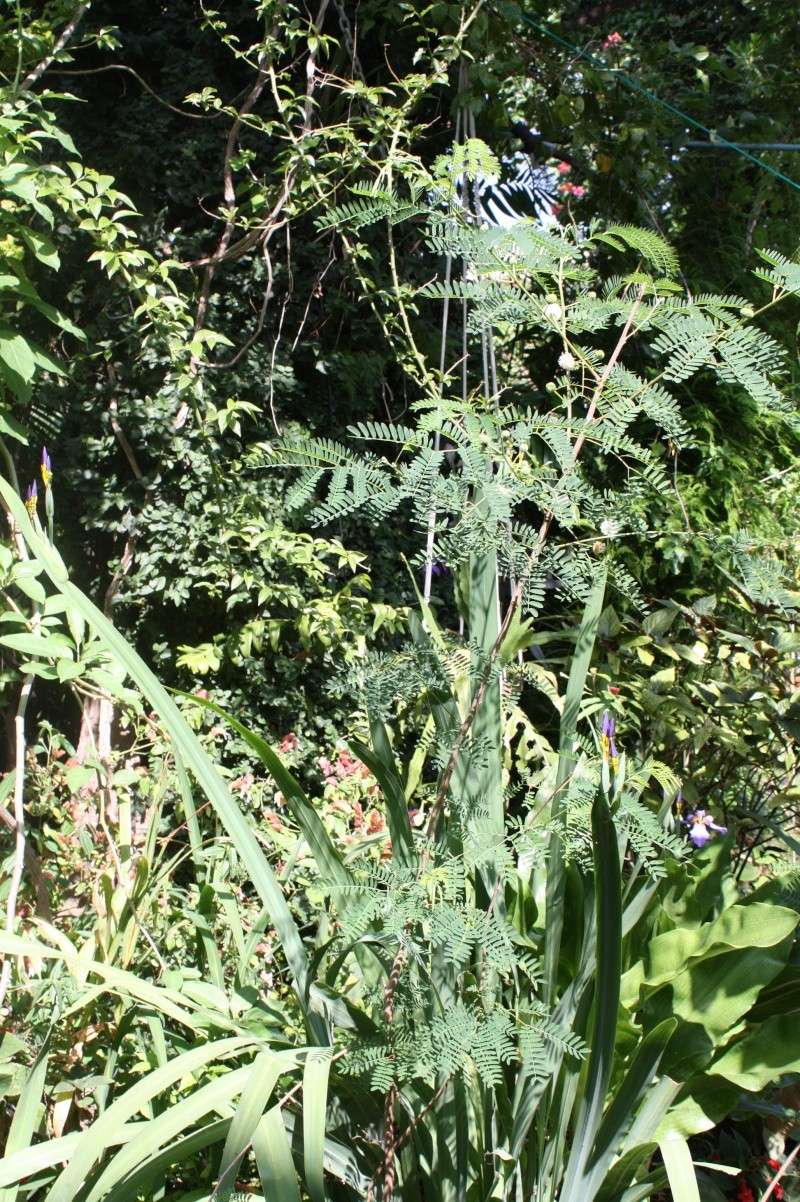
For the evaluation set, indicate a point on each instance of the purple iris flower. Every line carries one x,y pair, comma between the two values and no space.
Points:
46,468
701,826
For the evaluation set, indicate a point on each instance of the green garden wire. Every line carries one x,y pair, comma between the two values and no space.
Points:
514,10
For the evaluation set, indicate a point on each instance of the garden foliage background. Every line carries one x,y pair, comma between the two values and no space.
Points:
254,939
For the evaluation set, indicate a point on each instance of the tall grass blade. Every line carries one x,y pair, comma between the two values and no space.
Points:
148,1138
633,1088
26,1162
167,1001
152,1173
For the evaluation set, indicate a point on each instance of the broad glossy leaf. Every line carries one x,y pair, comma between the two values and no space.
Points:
753,926
764,1054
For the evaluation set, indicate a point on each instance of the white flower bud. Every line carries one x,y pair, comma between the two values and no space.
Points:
553,312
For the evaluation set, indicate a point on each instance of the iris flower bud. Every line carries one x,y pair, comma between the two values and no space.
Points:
31,498
608,744
46,469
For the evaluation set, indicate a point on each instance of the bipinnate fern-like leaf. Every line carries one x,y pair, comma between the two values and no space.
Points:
649,245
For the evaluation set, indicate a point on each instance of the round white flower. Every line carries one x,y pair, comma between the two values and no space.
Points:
553,311
609,528
566,361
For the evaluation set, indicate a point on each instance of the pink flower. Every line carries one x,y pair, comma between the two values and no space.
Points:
289,742
613,39
345,764
578,191
564,168
243,784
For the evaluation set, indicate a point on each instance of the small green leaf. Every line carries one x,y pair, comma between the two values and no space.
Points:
48,646
42,247
65,670
17,354
12,428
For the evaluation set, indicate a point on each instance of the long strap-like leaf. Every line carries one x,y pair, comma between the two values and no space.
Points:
273,1153
25,1117
257,1091
381,764
625,1105
329,862
608,906
93,1142
680,1170
315,1104
192,753
579,668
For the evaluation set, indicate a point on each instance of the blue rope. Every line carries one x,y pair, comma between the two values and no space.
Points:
635,86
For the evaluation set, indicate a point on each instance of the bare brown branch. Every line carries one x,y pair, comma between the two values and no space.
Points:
66,36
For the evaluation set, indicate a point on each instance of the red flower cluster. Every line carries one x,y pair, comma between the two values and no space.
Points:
613,39
744,1193
570,189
